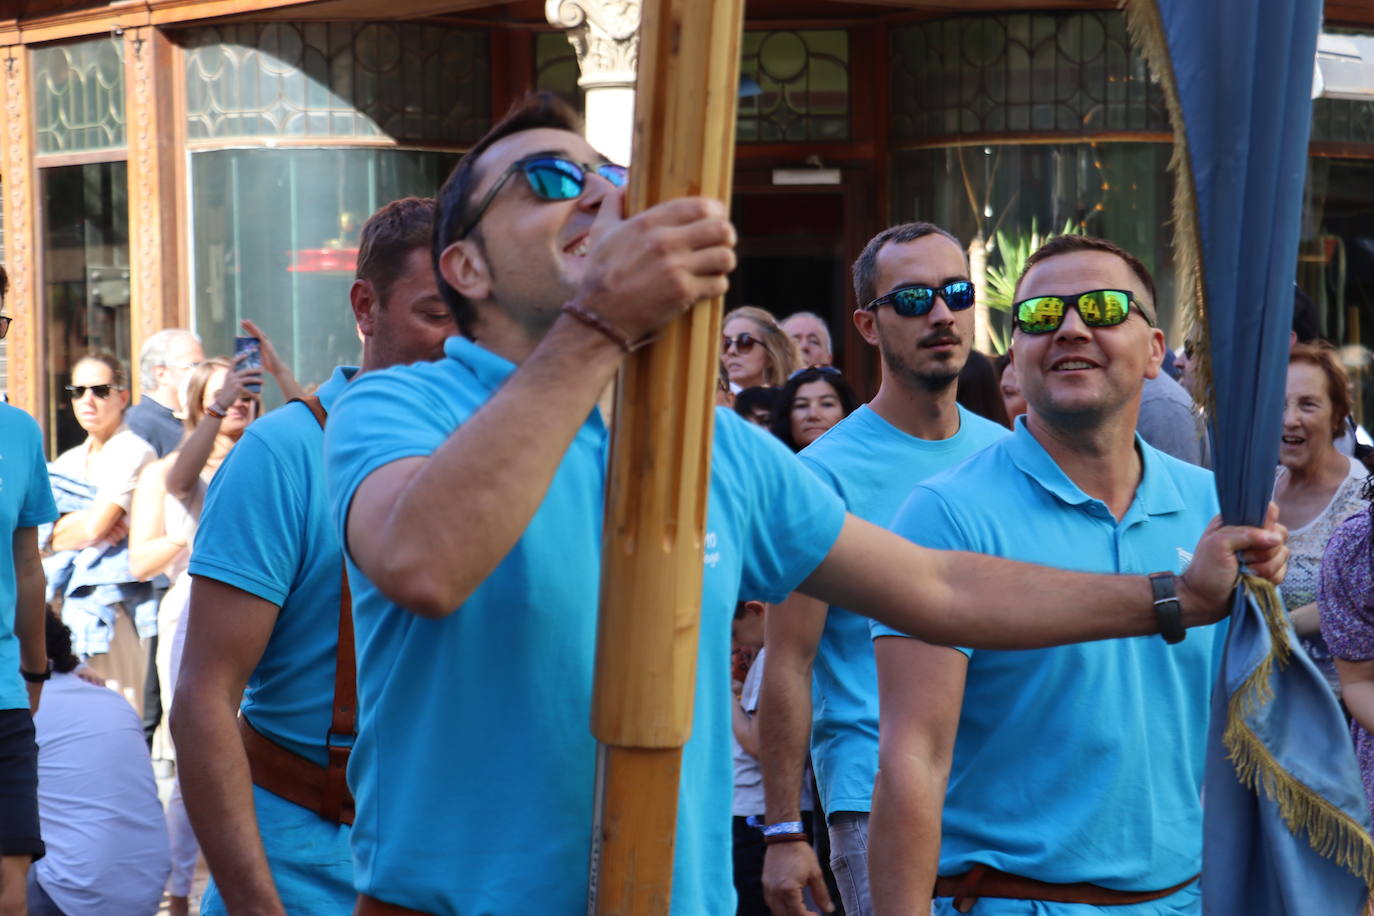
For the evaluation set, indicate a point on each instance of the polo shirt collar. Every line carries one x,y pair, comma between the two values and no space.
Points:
334,386
1157,493
491,370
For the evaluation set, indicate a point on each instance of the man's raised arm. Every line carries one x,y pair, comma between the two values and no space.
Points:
492,473
964,599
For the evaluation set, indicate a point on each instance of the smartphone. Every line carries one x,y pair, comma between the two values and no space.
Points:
253,347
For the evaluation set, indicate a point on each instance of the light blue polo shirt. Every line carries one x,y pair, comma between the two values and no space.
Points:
872,465
25,502
267,529
1081,762
474,766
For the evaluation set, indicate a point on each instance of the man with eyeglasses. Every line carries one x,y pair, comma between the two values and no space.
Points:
163,362
915,297
1067,777
26,502
469,497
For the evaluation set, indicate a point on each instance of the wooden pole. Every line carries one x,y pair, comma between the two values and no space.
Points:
684,144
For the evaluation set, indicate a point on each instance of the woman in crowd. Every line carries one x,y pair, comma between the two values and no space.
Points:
1012,400
980,389
813,400
756,350
1317,487
109,610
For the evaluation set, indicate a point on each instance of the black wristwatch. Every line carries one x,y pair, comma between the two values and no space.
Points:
37,678
1167,609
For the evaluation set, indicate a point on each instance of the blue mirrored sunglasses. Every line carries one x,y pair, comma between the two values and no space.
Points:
550,178
915,301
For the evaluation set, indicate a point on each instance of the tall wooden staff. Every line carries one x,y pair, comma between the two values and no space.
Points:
684,144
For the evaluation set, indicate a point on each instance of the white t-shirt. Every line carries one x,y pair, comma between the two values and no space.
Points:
113,470
97,800
748,775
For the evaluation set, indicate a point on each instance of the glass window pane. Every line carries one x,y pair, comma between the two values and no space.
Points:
275,238
795,86
85,277
79,96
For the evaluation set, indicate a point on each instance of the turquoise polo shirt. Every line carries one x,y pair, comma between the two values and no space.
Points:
474,766
1080,762
25,502
267,529
872,466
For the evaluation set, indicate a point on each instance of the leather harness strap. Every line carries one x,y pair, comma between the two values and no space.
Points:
323,790
985,881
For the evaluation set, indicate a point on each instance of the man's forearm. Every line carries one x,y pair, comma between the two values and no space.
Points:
218,791
784,725
904,839
30,625
493,473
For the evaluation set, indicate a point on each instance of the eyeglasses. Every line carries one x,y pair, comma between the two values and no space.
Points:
743,343
78,392
1099,308
4,325
823,370
550,178
915,301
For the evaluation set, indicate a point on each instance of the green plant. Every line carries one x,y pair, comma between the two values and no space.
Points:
999,285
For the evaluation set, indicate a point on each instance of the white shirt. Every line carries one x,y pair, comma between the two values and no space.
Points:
97,800
113,470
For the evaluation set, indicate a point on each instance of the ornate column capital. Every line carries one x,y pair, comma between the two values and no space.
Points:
605,35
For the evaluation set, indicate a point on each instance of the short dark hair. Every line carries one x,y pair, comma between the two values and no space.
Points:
1068,244
388,238
536,110
1307,326
749,400
865,268
781,424
59,639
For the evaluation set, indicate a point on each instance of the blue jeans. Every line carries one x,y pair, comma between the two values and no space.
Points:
309,857
849,860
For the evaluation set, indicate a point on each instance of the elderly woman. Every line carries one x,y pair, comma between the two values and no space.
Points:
813,400
109,611
1317,487
756,351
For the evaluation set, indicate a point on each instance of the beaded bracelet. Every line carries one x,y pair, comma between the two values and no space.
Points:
593,320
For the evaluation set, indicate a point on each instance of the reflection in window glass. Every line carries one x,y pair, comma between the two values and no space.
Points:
1119,191
79,96
85,277
275,239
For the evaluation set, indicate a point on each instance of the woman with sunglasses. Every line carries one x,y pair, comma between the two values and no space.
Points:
220,403
756,350
107,608
813,400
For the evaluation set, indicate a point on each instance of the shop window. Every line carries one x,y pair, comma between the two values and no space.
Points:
404,81
85,277
275,239
1342,121
79,96
794,86
1019,73
1119,191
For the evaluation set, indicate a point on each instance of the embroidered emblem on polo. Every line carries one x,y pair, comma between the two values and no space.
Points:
1185,559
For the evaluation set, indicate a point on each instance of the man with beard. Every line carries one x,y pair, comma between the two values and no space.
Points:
915,305
1055,781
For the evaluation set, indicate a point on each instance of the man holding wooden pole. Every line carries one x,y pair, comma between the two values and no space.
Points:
470,496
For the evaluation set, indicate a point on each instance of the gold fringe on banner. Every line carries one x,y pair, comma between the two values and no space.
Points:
1333,834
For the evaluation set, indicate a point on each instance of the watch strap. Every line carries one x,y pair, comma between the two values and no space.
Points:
37,678
1168,612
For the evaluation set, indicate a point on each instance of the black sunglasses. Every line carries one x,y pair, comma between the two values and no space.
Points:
78,392
550,178
1099,308
743,343
915,301
4,325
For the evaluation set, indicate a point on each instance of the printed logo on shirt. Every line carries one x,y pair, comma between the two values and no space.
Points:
712,558
1185,559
